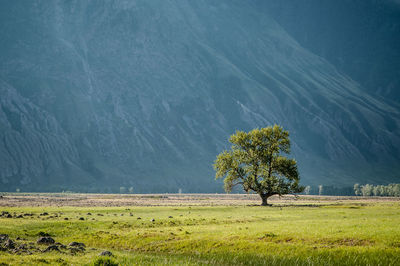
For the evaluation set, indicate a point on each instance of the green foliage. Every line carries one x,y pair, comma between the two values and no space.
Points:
366,190
391,190
122,190
357,189
255,161
320,190
104,261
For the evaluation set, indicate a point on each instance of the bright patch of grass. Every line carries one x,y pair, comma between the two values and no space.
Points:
338,234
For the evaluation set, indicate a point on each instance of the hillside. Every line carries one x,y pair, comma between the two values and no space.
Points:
359,37
98,95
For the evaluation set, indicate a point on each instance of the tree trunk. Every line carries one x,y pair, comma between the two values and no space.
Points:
264,198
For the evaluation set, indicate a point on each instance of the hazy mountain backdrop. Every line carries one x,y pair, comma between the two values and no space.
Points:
95,95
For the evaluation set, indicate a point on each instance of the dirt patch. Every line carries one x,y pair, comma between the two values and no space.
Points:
117,200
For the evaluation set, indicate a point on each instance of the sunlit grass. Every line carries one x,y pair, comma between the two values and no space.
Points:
339,234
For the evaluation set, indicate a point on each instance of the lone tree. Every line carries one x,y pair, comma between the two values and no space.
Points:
255,161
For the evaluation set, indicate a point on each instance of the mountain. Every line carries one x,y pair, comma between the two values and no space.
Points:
359,37
101,94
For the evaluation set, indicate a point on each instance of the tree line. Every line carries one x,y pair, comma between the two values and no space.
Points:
329,190
391,190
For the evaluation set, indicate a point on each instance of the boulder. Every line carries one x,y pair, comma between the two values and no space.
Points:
77,246
51,248
45,240
106,253
3,237
41,233
9,244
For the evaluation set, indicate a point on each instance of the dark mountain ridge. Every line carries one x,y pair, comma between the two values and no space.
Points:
359,37
98,95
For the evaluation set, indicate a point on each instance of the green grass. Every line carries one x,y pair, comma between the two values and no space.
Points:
338,234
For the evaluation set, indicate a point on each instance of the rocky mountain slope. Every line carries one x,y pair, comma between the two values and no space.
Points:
359,37
98,95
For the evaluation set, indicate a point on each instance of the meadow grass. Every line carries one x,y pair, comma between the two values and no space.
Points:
333,234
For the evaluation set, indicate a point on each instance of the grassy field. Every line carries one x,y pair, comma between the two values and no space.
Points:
309,231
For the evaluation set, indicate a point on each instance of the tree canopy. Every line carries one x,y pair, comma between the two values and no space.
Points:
256,161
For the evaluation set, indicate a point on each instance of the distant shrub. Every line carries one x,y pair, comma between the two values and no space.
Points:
367,190
104,262
320,190
357,189
376,191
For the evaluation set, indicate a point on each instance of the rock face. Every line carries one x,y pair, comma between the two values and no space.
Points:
364,43
145,94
